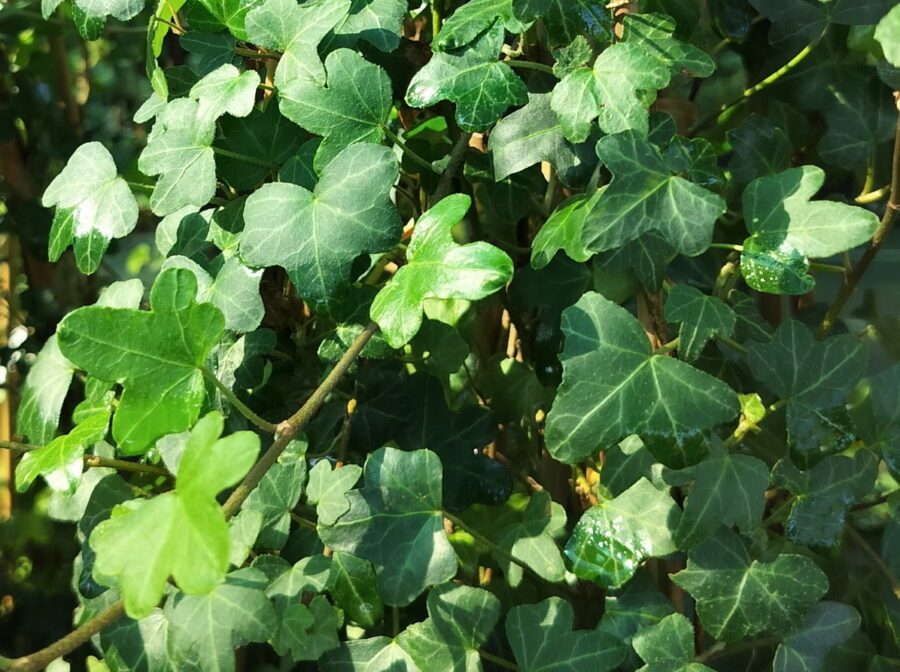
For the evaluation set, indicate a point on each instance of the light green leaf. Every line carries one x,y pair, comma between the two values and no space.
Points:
647,194
738,597
888,34
395,521
43,394
702,318
347,105
93,206
563,231
226,90
354,586
205,630
668,646
61,461
472,78
814,377
612,539
378,22
438,268
156,356
828,624
729,489
460,620
231,14
307,631
542,640
824,494
180,152
472,19
613,386
533,134
183,533
316,236
784,223
328,489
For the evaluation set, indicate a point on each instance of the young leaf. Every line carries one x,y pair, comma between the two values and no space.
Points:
460,620
668,646
532,135
828,624
729,489
702,318
205,630
481,87
349,104
647,194
563,231
783,222
738,597
612,539
613,386
542,640
156,356
43,394
532,540
225,90
328,489
182,534
316,235
438,268
93,206
395,521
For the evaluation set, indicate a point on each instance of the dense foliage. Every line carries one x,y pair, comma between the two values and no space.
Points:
485,334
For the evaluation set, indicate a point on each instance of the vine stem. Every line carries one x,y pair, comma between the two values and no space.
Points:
530,65
876,559
498,661
418,160
241,157
242,408
286,431
852,278
720,650
94,460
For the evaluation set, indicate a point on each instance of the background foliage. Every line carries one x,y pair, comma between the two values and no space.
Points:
487,334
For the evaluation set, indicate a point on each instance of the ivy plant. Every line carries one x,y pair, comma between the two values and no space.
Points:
478,335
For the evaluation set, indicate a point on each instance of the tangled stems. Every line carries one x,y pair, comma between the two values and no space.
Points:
285,432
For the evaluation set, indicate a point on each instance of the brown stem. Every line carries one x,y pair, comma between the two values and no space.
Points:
286,431
457,158
881,233
94,460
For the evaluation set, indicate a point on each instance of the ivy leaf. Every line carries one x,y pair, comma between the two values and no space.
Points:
438,268
119,9
182,534
354,586
668,646
307,632
799,22
205,630
481,87
378,22
729,489
328,490
277,495
43,394
533,134
563,231
180,152
348,105
156,356
472,19
376,654
613,386
532,540
316,235
824,494
760,148
738,597
226,90
542,639
646,194
881,430
460,620
702,318
856,128
648,257
828,624
625,78
93,206
567,19
210,51
782,221
61,461
231,14
395,521
296,30
640,605
888,34
814,377
612,539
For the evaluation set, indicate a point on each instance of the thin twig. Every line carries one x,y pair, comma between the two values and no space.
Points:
498,661
457,158
242,408
415,158
876,559
95,460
